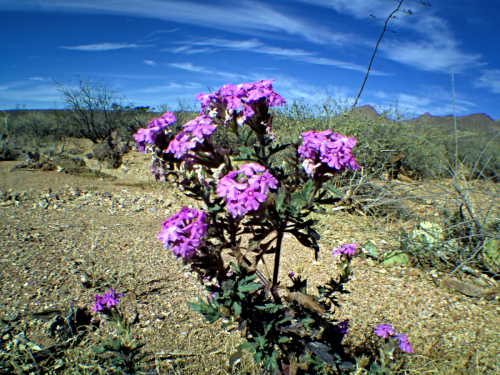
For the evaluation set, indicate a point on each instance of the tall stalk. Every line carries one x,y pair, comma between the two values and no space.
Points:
408,12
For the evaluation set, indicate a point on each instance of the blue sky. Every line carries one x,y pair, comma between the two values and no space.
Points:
154,51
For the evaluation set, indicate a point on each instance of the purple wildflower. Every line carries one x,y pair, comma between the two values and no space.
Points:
384,330
404,344
348,249
155,126
140,139
236,208
111,298
341,328
230,188
98,304
200,127
182,232
250,168
247,194
332,149
251,198
106,301
244,96
264,182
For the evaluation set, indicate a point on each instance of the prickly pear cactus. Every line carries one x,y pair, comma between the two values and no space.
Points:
432,236
428,234
491,254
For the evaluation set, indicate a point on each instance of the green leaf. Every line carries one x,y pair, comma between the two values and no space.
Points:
372,249
394,257
246,288
253,245
237,308
301,197
279,198
278,148
246,345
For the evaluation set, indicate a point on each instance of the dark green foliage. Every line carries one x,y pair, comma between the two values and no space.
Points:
125,356
296,334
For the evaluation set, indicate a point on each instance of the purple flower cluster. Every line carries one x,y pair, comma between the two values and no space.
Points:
327,148
244,95
386,330
144,136
183,231
348,249
194,132
244,190
106,301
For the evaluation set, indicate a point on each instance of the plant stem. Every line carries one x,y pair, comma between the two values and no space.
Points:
277,257
373,56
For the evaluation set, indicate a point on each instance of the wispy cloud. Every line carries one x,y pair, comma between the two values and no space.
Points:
245,16
490,79
175,87
362,9
436,52
190,67
438,47
229,44
255,46
199,69
252,45
188,50
428,98
150,62
340,64
30,93
38,79
104,46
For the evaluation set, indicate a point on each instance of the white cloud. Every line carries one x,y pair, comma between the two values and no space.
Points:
38,79
199,69
490,79
150,62
230,44
436,52
104,46
340,64
362,8
172,87
256,46
33,94
245,16
190,67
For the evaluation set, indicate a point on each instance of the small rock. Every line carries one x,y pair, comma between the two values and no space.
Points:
152,210
137,208
370,262
74,191
43,204
412,272
490,297
462,287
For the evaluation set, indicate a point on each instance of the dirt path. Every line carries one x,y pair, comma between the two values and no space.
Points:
65,238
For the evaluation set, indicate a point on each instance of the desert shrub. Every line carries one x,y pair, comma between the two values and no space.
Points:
96,110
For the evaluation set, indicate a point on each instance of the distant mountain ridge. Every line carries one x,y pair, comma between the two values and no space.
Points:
477,122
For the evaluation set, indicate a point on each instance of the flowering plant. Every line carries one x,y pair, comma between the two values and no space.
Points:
125,350
287,329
